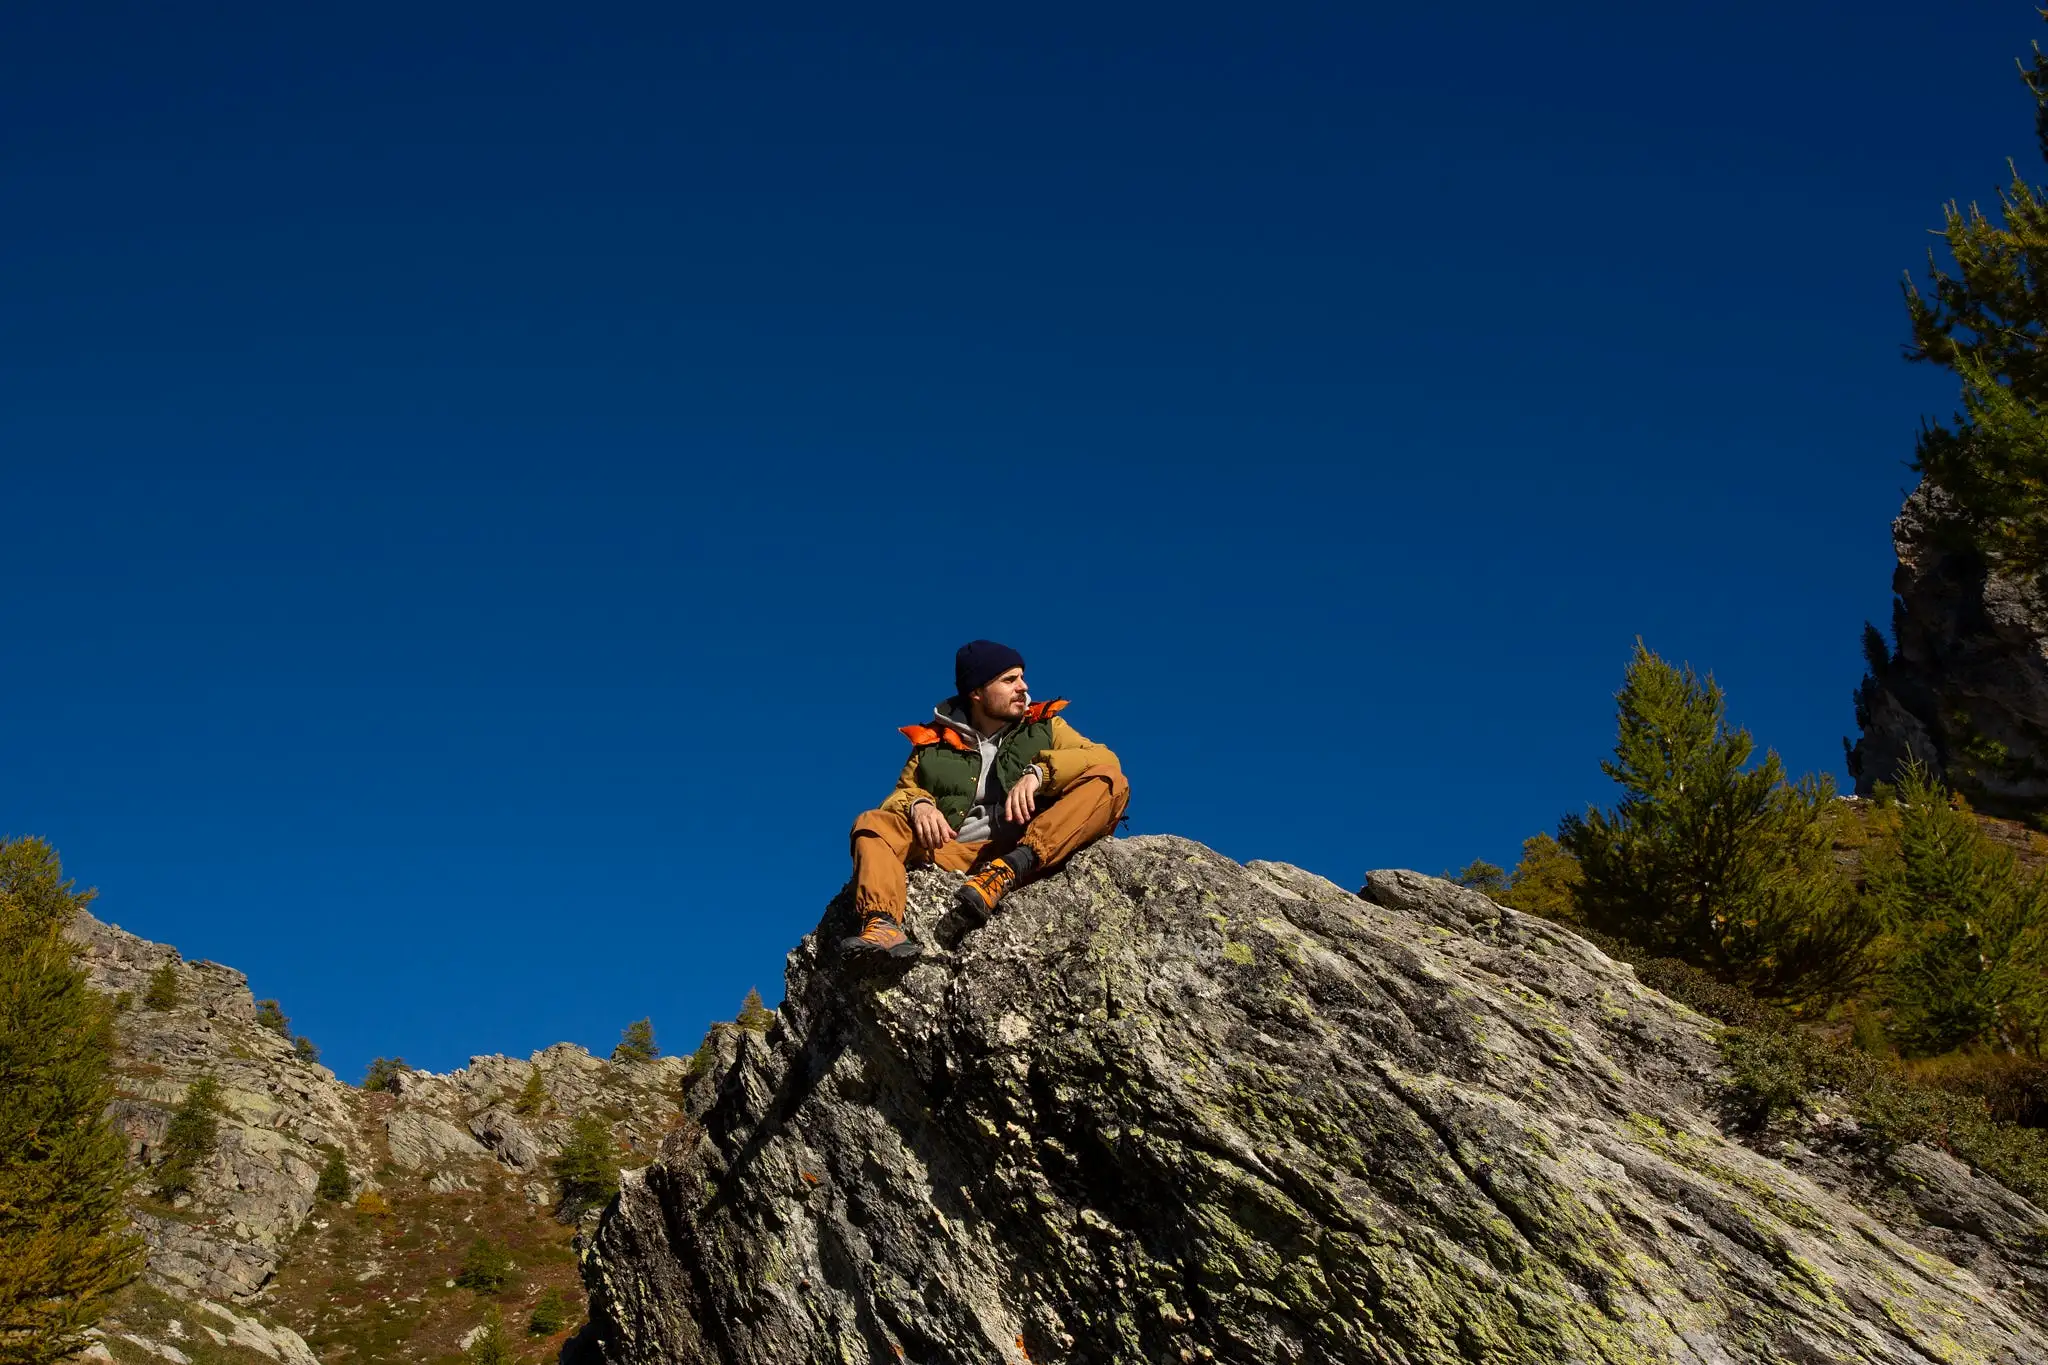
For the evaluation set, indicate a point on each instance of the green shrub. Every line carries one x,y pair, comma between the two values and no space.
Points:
551,1313
487,1268
1771,1072
383,1071
1700,990
2014,1088
588,1166
163,988
305,1049
65,1240
271,1015
636,1043
1777,1071
190,1137
333,1183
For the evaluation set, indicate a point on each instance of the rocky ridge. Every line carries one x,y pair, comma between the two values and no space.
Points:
1964,686
218,1251
1169,1108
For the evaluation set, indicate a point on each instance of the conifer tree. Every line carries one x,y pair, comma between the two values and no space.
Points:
1704,858
163,988
333,1183
1965,947
271,1015
190,1137
1986,319
636,1043
533,1096
487,1268
551,1312
305,1049
382,1072
1488,879
1546,881
588,1166
490,1346
64,1243
754,1015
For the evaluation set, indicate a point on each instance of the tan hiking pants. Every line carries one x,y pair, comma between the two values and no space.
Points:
884,843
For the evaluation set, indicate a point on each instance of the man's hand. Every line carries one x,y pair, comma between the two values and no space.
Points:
931,828
1022,802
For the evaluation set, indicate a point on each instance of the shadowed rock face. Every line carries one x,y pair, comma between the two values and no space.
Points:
1965,688
1167,1108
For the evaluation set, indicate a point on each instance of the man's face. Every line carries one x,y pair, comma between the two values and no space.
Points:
1005,697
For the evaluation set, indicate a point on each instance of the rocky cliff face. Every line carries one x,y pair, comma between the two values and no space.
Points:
1169,1108
248,1260
1965,687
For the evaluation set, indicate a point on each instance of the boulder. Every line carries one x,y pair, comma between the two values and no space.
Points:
1164,1107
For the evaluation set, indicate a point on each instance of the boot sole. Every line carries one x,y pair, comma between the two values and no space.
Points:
972,907
860,950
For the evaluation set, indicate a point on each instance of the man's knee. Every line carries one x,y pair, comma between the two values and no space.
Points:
892,829
1119,786
877,822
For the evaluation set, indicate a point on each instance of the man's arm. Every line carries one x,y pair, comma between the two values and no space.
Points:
1071,754
907,793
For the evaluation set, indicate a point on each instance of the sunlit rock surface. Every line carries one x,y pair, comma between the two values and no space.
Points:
1169,1108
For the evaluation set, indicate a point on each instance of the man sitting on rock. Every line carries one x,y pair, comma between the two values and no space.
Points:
997,786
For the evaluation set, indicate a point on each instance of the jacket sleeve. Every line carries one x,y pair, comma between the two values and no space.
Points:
907,793
1072,753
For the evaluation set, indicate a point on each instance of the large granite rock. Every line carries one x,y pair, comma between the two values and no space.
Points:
1169,1108
1964,687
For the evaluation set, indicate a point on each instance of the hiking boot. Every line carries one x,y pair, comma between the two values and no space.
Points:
978,897
881,939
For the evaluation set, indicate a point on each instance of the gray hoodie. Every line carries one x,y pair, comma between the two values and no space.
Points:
985,819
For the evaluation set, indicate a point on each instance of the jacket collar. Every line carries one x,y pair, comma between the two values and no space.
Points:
955,731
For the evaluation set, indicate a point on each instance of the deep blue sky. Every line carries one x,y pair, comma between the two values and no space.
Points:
482,488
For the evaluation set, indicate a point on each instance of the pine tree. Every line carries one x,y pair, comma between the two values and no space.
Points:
533,1096
588,1166
305,1049
163,988
64,1243
754,1015
1706,859
490,1346
190,1137
271,1015
636,1043
1965,944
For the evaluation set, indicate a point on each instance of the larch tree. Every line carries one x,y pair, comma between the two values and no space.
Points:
65,1243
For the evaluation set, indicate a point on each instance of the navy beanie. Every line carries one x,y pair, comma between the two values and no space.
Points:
982,661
